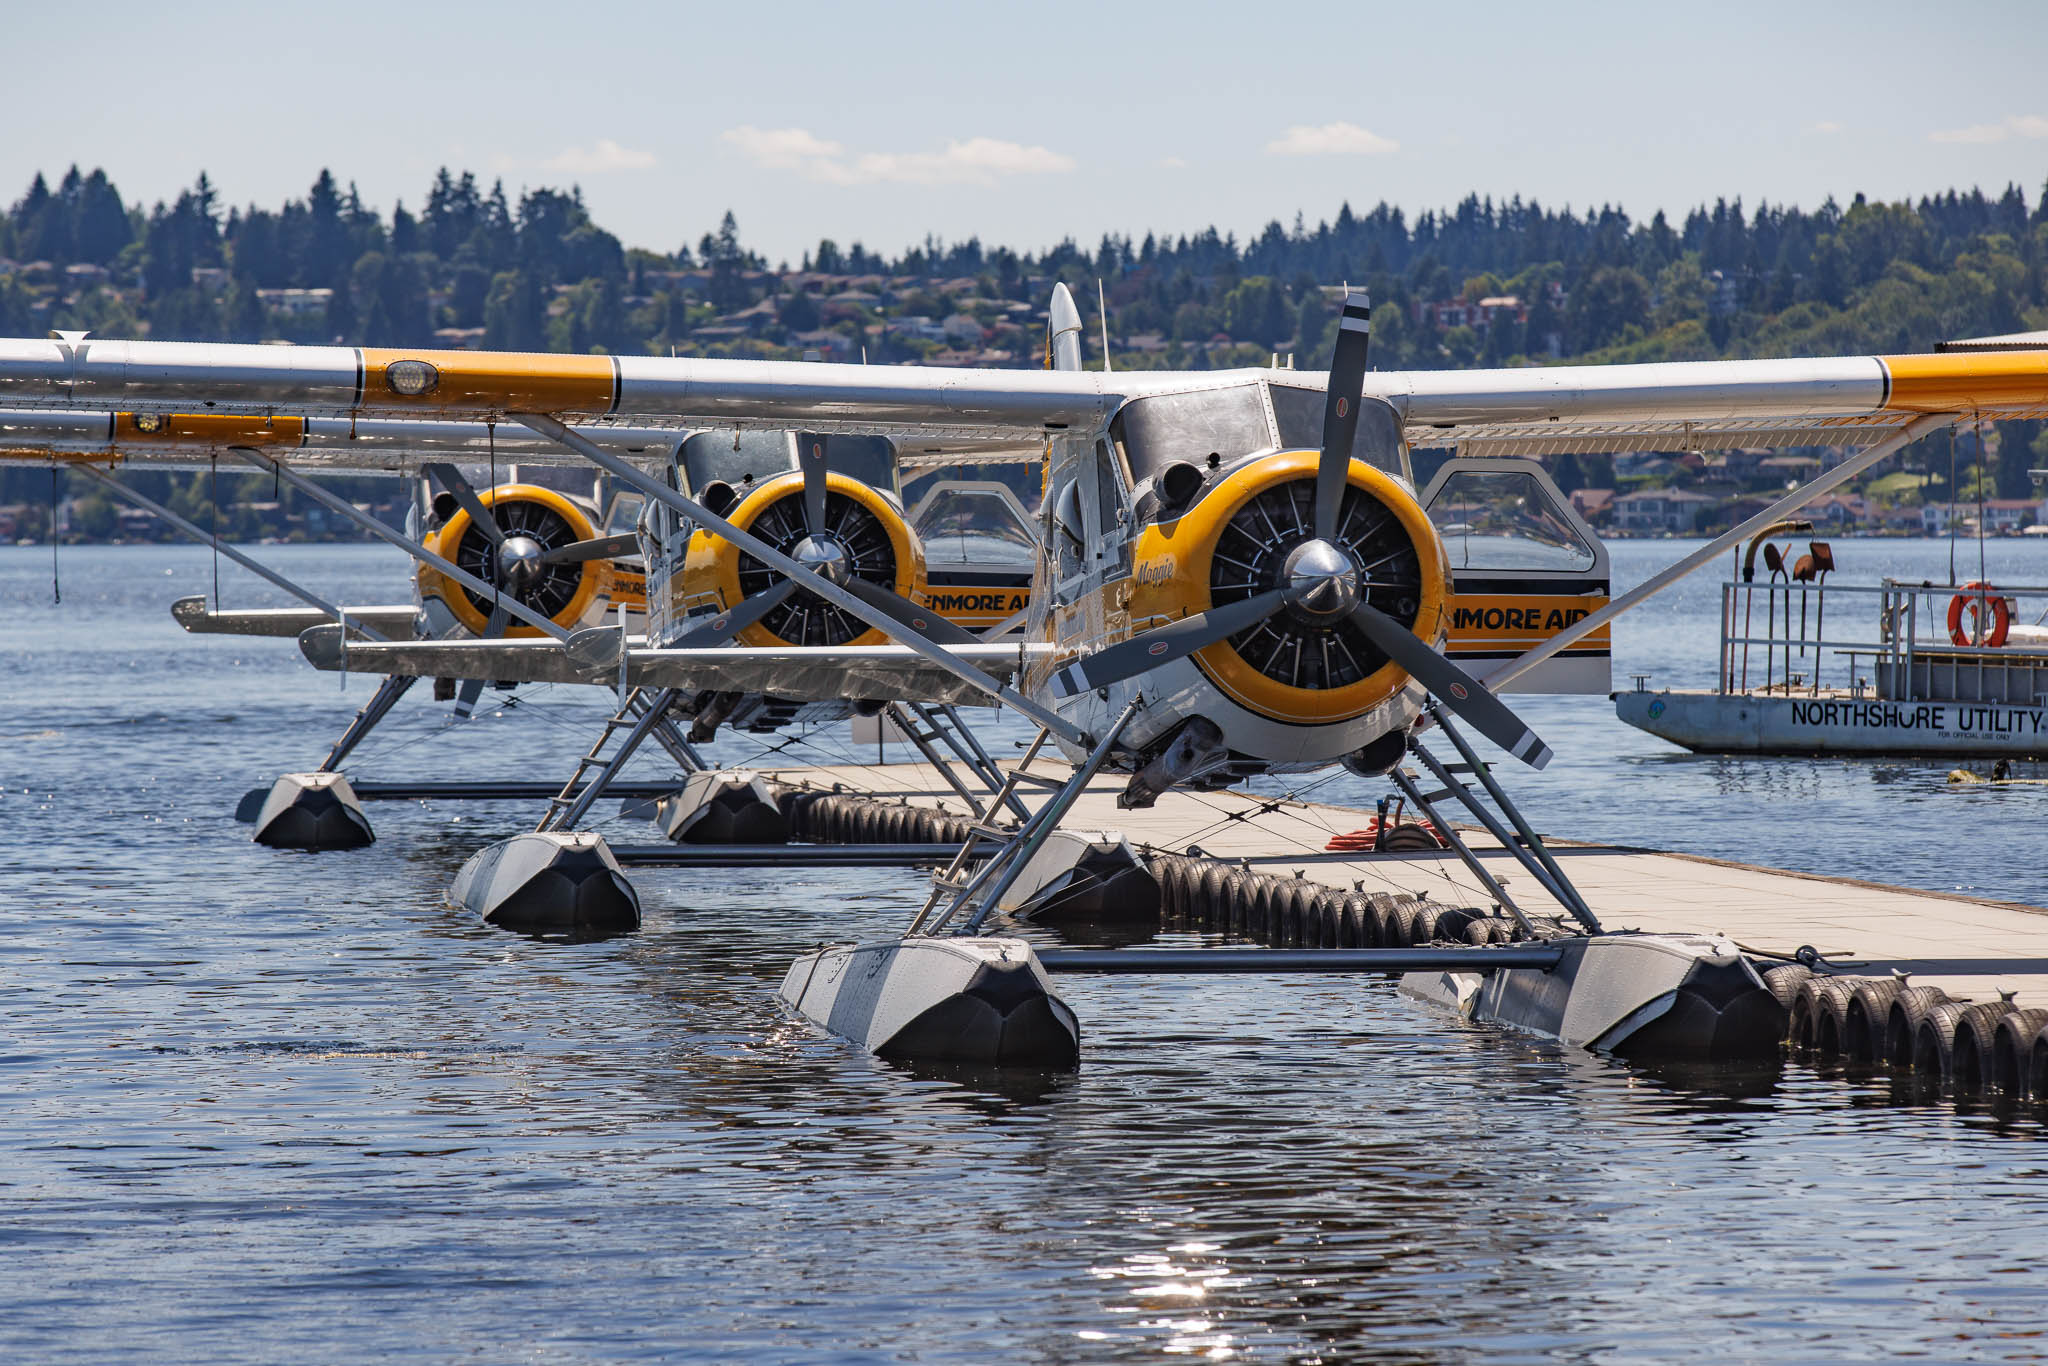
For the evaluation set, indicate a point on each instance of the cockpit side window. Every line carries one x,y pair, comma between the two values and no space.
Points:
1066,530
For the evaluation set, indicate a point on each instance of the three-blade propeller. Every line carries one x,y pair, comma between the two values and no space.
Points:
516,562
821,545
1326,582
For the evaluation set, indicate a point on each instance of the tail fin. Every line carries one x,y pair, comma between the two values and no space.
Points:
1062,332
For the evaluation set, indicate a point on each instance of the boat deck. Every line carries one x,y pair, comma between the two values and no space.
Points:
1969,947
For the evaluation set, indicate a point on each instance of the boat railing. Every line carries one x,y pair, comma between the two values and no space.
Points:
1905,640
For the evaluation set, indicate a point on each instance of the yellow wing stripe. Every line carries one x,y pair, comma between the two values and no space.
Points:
1962,381
495,381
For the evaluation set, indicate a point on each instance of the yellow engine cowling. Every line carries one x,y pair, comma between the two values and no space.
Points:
574,595
718,576
1176,571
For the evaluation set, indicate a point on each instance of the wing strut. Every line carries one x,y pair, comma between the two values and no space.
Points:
204,537
1790,503
406,543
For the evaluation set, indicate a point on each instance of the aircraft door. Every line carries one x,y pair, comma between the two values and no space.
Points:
1069,500
1524,566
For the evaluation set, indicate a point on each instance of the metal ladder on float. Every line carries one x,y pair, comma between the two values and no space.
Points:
1509,826
1008,850
923,724
641,716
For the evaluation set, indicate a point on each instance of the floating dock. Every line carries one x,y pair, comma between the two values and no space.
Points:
1973,949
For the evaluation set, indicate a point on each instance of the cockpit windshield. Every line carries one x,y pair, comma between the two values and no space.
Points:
740,459
743,459
975,526
1299,411
1154,432
1231,423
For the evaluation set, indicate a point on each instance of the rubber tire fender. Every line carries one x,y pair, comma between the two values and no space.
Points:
1356,926
1902,1023
1235,913
1213,906
2037,1065
1817,1009
1863,1025
1784,980
1975,1034
2012,1043
1934,1042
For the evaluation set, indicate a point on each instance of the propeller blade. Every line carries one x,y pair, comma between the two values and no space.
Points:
451,479
1458,690
726,625
1164,644
922,620
810,454
603,548
473,688
1340,411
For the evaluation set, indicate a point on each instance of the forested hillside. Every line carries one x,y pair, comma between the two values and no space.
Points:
1485,283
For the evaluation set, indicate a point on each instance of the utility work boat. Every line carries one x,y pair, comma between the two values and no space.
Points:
1922,669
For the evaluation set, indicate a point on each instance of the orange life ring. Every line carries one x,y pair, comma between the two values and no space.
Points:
1976,596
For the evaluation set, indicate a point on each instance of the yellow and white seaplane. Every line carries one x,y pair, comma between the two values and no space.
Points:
1223,585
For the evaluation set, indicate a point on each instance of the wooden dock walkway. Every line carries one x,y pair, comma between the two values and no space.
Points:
1971,948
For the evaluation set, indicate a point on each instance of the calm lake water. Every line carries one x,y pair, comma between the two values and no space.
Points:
270,1106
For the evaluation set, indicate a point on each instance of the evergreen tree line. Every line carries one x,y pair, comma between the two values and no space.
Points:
536,273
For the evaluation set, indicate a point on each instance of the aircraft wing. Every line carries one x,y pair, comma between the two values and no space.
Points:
1529,410
1706,405
867,672
357,445
392,621
230,379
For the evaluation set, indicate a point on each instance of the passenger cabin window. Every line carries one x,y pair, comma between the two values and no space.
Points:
975,526
1500,519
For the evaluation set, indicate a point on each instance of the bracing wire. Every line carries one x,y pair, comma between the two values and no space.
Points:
56,588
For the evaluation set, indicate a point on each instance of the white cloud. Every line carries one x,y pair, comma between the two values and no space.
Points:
1173,163
781,149
2012,126
1331,140
976,161
606,155
1825,126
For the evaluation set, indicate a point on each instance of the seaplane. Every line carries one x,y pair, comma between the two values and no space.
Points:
1224,585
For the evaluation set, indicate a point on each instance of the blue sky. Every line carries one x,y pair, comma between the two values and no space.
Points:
1027,123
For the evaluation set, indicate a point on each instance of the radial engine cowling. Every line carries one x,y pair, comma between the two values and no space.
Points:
865,537
534,520
1253,532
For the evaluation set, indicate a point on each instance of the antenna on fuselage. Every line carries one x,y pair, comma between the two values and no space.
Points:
1102,307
